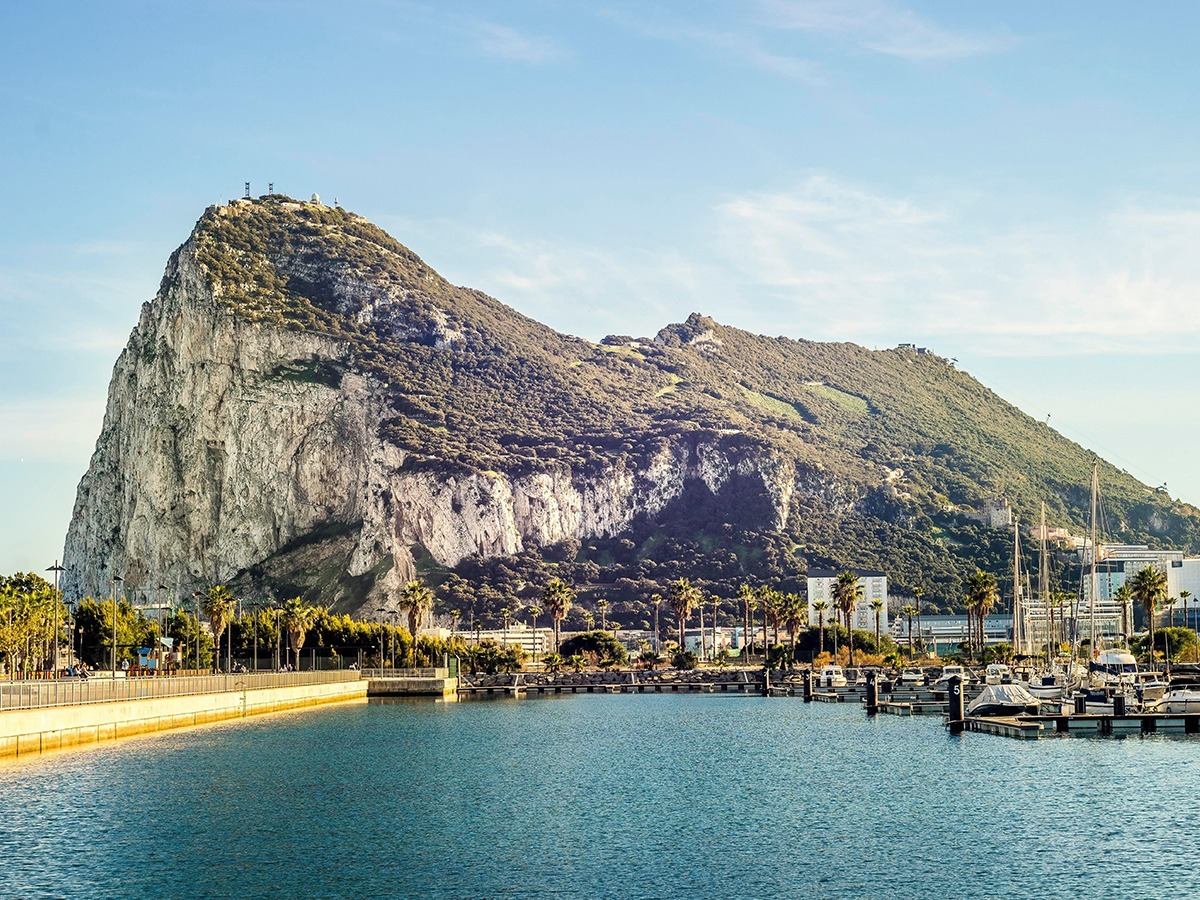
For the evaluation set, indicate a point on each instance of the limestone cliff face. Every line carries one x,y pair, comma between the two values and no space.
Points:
231,448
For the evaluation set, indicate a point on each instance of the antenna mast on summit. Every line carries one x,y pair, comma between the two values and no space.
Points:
247,190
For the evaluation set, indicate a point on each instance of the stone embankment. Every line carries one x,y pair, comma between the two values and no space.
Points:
36,717
621,681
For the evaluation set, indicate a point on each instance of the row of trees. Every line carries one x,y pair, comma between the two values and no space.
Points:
30,624
34,623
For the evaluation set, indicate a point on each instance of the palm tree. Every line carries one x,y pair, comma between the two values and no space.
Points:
847,591
418,600
218,605
557,598
982,595
793,615
908,611
773,606
1149,587
820,606
534,612
746,595
877,608
683,598
602,605
298,618
918,593
1183,597
504,614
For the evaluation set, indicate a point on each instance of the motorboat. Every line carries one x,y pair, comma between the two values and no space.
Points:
911,678
1048,684
1100,701
1150,686
953,671
1182,698
831,677
1003,700
1115,666
856,676
998,673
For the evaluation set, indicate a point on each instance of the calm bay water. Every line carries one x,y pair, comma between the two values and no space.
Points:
602,796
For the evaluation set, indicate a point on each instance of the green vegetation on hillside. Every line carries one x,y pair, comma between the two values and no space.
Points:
893,447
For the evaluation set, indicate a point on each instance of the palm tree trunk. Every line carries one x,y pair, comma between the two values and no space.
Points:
1150,625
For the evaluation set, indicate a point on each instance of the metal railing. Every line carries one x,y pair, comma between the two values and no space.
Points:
407,673
74,692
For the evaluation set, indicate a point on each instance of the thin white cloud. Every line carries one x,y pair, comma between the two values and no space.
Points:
562,281
761,33
736,41
502,42
478,36
881,27
850,263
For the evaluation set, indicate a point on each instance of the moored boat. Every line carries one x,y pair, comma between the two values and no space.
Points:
952,671
831,677
1182,698
1048,684
998,673
1003,700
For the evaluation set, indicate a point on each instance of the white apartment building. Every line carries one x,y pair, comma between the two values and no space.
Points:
517,635
1117,564
873,585
1184,575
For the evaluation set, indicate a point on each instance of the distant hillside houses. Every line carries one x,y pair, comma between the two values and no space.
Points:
873,584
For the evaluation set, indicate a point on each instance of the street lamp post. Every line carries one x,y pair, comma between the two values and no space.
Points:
278,635
56,568
229,641
116,579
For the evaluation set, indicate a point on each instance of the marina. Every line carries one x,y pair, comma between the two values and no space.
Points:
661,794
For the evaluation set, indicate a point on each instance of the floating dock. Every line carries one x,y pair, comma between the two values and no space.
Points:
1084,725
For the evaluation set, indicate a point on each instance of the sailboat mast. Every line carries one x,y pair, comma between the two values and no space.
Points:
1044,586
1095,557
1018,644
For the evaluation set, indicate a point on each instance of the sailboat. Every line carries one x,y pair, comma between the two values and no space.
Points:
1112,671
1049,682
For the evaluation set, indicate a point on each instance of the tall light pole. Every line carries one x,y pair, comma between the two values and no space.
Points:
162,627
115,580
56,568
229,642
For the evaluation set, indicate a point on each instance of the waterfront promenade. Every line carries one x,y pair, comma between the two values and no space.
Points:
37,716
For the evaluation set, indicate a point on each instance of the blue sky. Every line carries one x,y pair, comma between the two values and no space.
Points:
1016,185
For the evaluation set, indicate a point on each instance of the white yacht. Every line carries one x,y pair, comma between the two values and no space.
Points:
1183,698
831,677
998,673
1111,667
952,671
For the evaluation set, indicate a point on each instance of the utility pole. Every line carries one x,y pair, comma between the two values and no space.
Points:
115,580
57,569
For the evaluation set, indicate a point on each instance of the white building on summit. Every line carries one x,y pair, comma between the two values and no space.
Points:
873,585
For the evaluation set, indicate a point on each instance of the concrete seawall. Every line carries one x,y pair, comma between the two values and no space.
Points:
27,731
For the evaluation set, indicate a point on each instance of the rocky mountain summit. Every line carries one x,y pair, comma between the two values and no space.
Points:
306,407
